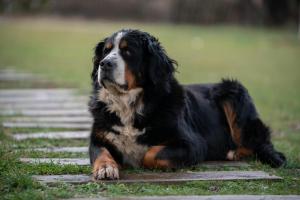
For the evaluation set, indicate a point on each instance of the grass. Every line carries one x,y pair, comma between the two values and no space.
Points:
265,60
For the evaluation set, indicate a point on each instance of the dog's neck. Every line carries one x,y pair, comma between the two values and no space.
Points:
125,105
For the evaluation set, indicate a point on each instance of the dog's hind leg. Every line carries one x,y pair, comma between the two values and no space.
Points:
248,132
257,136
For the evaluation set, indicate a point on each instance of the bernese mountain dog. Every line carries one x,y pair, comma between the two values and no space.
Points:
144,118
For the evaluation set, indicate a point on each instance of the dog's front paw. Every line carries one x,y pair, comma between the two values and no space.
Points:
106,171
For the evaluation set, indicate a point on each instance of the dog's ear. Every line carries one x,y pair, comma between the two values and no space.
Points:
160,67
98,55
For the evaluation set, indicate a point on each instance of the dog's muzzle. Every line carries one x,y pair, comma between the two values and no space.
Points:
107,67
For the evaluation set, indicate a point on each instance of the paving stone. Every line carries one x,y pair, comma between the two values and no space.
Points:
53,135
10,78
86,161
82,126
44,92
208,197
224,164
13,75
43,105
62,149
174,177
59,161
53,112
56,119
53,98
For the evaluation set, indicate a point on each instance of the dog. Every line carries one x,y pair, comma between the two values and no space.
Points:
144,118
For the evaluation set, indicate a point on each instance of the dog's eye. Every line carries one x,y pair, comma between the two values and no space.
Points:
127,52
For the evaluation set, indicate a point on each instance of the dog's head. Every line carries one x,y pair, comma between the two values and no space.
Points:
130,59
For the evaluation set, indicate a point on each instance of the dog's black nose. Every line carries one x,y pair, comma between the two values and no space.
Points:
106,64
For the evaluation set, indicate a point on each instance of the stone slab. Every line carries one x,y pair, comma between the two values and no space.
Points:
206,197
165,177
61,149
50,112
43,105
59,161
13,75
53,135
56,119
53,98
82,126
86,161
41,92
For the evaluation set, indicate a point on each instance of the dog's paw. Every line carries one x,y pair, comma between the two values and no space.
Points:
106,171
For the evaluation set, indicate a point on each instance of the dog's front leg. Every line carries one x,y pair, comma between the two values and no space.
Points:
104,165
168,157
152,161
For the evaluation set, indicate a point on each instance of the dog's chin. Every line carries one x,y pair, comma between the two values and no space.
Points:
114,87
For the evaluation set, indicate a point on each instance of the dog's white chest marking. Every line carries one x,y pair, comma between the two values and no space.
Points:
125,106
125,142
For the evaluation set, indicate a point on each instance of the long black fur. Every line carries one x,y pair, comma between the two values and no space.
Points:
189,119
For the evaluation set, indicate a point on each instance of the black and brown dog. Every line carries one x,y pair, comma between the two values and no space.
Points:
144,118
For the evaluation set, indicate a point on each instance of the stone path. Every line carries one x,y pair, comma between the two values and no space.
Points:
44,112
36,93
63,108
60,119
165,177
9,75
53,135
77,125
61,149
53,99
42,105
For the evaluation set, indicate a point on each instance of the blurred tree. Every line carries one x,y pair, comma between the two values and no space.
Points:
277,11
22,6
255,12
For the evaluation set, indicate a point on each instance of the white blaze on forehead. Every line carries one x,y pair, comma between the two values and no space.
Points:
119,73
114,56
99,74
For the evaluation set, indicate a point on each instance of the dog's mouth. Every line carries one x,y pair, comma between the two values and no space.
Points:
113,86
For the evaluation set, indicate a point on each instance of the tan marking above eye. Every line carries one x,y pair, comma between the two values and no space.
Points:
108,45
150,160
123,44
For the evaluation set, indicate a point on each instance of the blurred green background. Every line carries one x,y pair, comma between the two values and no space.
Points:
265,60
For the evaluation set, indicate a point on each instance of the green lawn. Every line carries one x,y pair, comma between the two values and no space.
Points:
267,61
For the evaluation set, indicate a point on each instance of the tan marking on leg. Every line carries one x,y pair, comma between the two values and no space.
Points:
123,44
239,153
243,152
150,160
105,167
235,132
234,129
130,78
